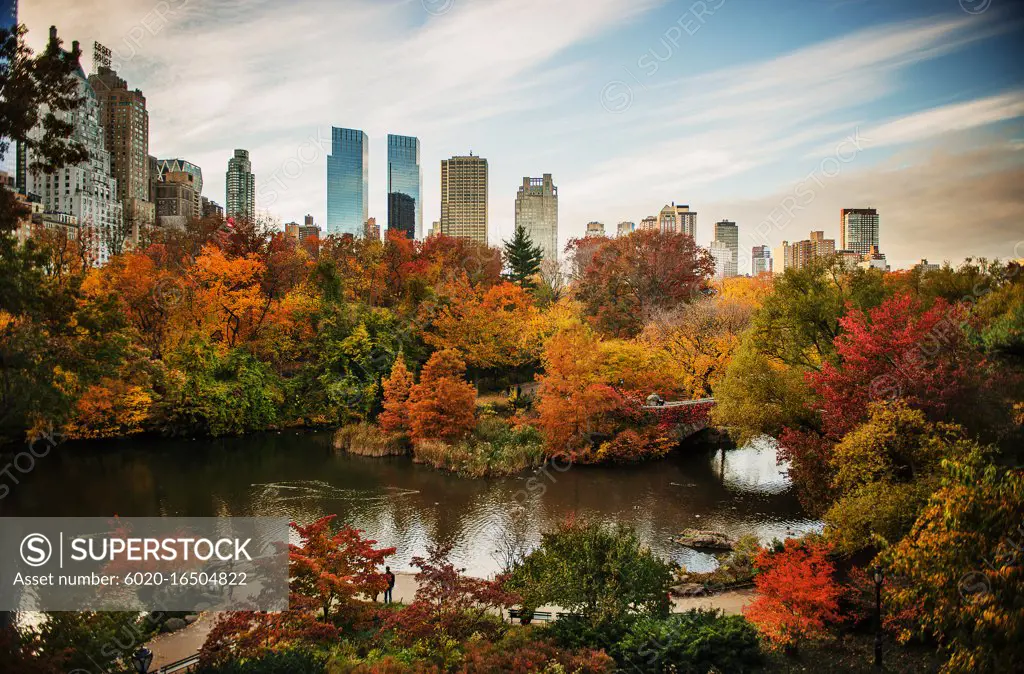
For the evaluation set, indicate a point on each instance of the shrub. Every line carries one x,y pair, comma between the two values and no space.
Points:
521,651
369,440
798,597
274,662
600,571
495,448
576,631
695,642
448,604
631,446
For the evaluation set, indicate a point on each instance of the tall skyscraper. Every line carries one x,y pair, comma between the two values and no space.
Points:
858,229
87,191
595,228
125,122
760,260
348,182
625,228
679,219
9,162
405,189
537,213
727,233
464,197
240,200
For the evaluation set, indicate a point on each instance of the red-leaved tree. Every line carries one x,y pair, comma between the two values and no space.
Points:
797,594
898,350
626,280
448,603
327,571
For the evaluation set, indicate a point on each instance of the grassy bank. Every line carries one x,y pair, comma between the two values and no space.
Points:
369,440
494,448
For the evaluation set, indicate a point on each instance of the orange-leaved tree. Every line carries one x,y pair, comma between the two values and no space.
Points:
397,387
494,328
442,405
797,594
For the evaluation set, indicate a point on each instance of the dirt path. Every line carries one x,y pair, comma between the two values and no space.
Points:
168,648
172,647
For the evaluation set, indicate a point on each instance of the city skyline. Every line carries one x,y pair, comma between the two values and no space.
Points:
767,118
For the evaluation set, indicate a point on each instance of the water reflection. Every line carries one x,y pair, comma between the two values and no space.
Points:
401,504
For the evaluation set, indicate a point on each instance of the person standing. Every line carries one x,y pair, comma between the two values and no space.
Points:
390,577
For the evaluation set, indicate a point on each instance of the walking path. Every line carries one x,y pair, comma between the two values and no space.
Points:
172,647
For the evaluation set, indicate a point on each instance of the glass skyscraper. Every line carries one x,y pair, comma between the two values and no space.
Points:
858,229
348,182
8,20
405,192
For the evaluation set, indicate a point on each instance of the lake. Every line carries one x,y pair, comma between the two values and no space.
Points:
402,504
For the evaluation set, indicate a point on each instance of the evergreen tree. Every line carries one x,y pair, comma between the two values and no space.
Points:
522,258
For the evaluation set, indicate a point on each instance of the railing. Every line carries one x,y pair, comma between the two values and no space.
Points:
186,664
679,403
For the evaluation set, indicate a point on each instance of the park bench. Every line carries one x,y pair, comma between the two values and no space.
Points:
543,616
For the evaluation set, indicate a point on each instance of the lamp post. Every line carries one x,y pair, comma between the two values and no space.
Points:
142,659
878,617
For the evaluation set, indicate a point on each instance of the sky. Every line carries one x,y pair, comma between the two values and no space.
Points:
774,114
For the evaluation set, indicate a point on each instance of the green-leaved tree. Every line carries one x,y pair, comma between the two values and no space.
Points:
522,258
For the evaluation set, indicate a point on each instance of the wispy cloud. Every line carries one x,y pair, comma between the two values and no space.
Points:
525,75
738,118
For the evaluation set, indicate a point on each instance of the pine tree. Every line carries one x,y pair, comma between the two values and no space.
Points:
522,258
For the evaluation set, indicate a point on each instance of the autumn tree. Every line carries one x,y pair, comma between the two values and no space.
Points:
147,294
442,405
39,92
397,388
800,318
593,390
962,563
797,596
37,342
760,396
328,571
700,339
885,470
229,299
630,278
898,350
494,328
448,604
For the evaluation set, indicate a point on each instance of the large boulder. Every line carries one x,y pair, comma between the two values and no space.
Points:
705,540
